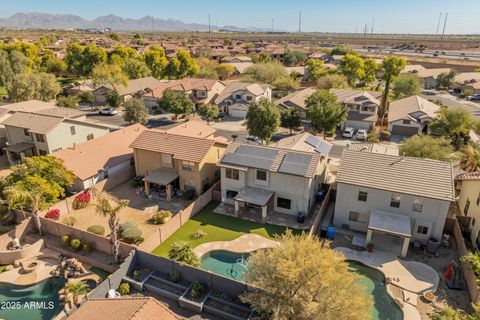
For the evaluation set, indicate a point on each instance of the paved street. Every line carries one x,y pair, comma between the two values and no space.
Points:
451,101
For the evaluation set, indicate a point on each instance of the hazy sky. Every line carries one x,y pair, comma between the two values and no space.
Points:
391,16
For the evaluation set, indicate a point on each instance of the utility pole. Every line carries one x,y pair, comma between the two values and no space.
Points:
365,31
371,31
444,25
153,27
438,24
209,29
300,23
273,21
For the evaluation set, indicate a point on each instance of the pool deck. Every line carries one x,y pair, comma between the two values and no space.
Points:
245,243
413,278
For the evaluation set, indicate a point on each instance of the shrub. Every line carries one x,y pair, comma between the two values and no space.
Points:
97,229
161,217
124,288
69,221
76,244
127,225
81,200
197,290
385,135
66,239
53,214
131,235
372,136
189,194
175,276
198,234
88,247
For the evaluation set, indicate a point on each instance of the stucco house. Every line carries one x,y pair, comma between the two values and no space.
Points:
134,88
46,131
362,107
236,97
236,59
296,100
170,162
411,116
108,156
468,201
393,199
467,81
430,76
271,179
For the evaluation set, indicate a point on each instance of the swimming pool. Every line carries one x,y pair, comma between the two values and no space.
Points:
35,302
234,265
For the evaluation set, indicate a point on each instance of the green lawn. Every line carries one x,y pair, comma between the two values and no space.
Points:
64,81
218,228
3,91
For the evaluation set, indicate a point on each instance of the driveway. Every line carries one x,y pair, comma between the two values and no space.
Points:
230,124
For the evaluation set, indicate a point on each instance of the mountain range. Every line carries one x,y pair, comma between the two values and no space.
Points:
36,20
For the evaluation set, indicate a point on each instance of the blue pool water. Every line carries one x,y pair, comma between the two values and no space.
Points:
36,302
234,265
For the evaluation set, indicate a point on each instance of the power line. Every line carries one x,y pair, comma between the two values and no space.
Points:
209,29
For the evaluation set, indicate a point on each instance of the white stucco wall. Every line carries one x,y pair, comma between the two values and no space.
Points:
470,190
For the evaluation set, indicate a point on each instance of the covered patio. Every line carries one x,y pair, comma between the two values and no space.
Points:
391,229
16,152
162,178
256,198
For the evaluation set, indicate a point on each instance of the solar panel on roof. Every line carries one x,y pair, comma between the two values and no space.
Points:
295,163
313,141
248,161
257,152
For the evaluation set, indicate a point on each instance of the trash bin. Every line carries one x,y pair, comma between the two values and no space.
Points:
301,217
319,196
330,233
432,245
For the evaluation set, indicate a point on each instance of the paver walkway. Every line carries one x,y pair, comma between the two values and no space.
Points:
244,243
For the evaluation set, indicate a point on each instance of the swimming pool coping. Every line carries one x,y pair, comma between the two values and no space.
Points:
244,244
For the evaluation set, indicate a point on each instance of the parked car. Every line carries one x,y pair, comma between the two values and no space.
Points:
108,111
348,132
254,139
474,97
361,134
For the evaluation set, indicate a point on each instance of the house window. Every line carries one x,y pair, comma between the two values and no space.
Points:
189,186
417,204
395,200
422,230
478,199
405,121
231,194
262,175
232,173
55,150
284,203
249,98
467,206
39,137
42,152
167,160
358,217
72,130
26,133
362,196
90,136
188,166
238,96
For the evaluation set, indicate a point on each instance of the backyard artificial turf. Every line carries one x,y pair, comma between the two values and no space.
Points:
218,228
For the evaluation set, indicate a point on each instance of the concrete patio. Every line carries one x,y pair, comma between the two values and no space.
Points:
275,218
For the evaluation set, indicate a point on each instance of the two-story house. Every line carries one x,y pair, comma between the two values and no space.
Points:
362,107
393,199
30,134
411,116
468,201
170,162
271,179
296,100
236,97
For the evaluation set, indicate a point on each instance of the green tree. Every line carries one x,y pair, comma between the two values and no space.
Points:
265,72
454,124
423,146
445,80
208,68
156,61
113,99
109,75
73,291
294,57
114,36
120,54
353,67
11,64
135,69
342,50
225,70
73,57
406,85
263,57
67,102
391,68
470,160
28,86
48,87
182,252
209,111
87,97
135,111
314,69
263,119
290,119
304,279
176,103
324,111
187,66
286,84
370,67
108,206
56,66
332,81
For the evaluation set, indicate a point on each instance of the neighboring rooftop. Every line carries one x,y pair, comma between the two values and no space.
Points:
254,88
179,146
138,85
352,96
414,108
42,108
33,122
297,98
305,142
421,177
87,158
123,308
434,73
193,128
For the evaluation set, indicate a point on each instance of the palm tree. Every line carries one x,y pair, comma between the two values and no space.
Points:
21,198
109,206
471,159
181,251
73,291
